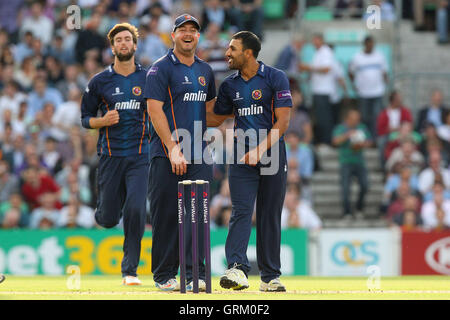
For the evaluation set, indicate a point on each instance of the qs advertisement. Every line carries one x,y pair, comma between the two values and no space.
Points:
350,252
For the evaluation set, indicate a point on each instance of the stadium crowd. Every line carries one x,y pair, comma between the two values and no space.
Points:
48,161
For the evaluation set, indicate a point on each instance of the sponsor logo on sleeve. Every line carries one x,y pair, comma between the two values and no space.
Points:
153,71
285,94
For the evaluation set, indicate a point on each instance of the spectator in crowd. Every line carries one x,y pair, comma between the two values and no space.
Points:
14,212
322,86
67,115
368,71
223,217
297,213
339,90
11,98
46,215
348,9
192,7
25,75
40,25
404,199
442,21
152,46
212,50
390,120
164,21
435,171
438,187
90,43
409,221
40,95
419,13
402,175
36,183
9,183
24,48
9,11
213,12
405,156
432,142
304,157
70,81
90,159
76,215
404,133
443,131
51,157
250,16
220,200
387,11
435,112
351,138
74,180
288,59
436,213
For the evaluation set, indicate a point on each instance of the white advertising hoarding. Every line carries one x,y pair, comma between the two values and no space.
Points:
350,252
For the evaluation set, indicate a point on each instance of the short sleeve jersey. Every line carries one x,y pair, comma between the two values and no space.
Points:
253,102
184,90
109,90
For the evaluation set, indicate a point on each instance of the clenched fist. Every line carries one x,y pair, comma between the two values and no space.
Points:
110,118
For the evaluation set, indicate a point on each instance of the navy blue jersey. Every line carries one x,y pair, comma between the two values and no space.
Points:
109,90
253,101
184,91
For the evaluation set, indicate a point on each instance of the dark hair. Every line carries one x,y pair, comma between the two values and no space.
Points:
249,41
392,95
122,27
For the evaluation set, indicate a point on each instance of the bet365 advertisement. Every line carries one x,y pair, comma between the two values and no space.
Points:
32,252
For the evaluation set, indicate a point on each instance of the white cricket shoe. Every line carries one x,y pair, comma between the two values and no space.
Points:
169,285
201,286
273,285
131,281
234,278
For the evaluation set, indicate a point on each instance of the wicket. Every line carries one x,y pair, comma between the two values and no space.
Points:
194,225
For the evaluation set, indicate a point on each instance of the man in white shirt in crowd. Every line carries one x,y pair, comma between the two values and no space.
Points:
433,172
322,87
436,213
298,213
368,72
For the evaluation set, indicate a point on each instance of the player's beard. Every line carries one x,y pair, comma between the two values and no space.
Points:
126,56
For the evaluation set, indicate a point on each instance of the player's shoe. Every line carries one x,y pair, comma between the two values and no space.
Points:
2,278
234,278
273,285
131,281
201,286
169,285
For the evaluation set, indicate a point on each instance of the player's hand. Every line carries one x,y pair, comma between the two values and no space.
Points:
111,118
251,158
178,161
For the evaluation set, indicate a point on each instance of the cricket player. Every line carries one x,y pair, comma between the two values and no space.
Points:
259,98
123,144
179,89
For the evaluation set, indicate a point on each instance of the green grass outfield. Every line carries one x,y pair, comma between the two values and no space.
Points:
298,288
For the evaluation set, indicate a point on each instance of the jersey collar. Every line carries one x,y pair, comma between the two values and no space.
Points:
261,71
172,57
112,71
